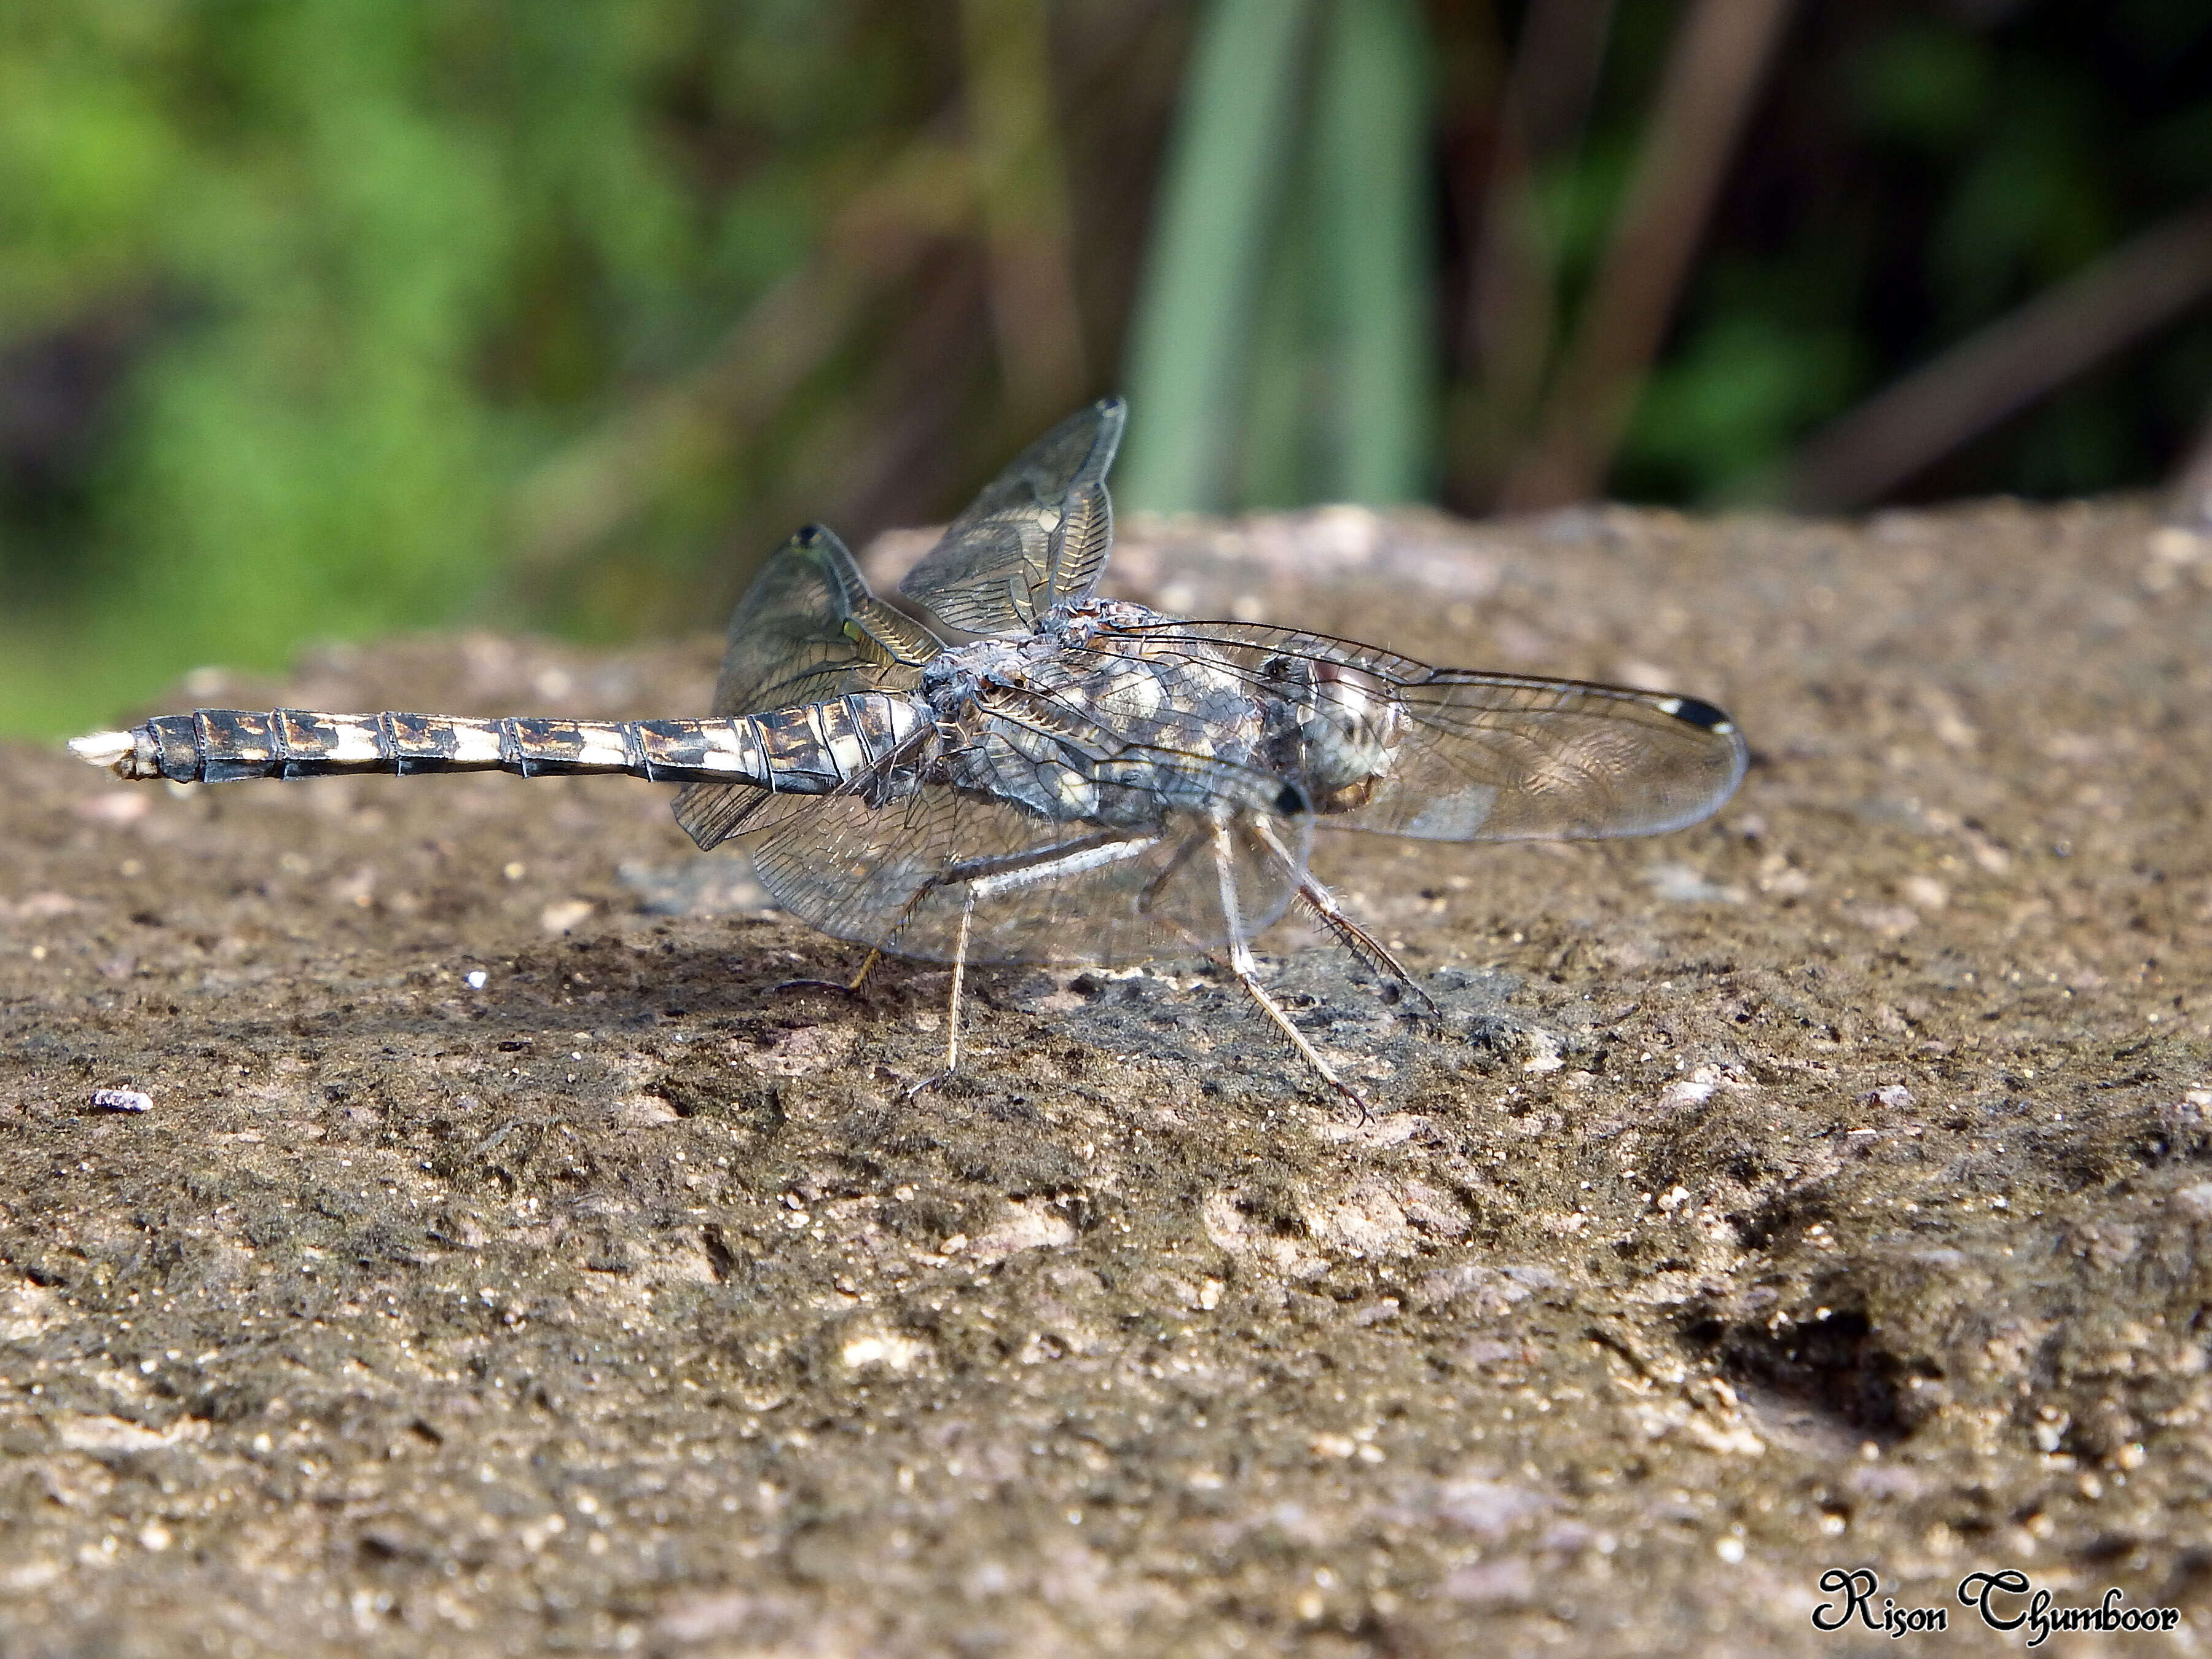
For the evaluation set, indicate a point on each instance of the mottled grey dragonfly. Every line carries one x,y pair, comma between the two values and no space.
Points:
1024,772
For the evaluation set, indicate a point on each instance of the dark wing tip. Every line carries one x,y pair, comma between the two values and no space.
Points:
1692,711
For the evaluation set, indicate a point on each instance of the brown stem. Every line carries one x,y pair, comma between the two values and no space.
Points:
2007,365
2192,482
1022,189
1718,64
1512,294
874,241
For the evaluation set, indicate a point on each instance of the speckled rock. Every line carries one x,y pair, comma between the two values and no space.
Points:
508,1262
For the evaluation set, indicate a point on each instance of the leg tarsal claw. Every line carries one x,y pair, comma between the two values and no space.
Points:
849,987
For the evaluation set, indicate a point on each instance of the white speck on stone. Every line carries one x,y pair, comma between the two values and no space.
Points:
476,979
2195,1201
1683,883
1032,1226
1544,1055
885,1348
1926,893
103,1436
121,1100
1507,1582
1729,1550
564,915
41,907
1489,1509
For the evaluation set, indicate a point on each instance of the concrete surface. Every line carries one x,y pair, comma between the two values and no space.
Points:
1828,1185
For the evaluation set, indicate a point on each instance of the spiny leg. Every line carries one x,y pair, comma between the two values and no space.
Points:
1241,964
1349,933
1365,945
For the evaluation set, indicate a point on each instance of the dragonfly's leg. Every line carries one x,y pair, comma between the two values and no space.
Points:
983,879
1007,872
1349,933
1173,867
959,978
1363,944
953,1012
849,987
1241,964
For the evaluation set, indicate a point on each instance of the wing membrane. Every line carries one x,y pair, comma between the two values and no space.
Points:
807,629
1480,757
1038,534
878,876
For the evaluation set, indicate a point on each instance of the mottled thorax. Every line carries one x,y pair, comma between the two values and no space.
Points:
1083,722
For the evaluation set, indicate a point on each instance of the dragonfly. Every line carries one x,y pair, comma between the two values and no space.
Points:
1011,768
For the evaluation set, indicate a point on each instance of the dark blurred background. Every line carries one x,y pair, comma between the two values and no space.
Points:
323,317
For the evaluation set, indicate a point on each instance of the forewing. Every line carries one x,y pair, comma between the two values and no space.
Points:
1038,535
894,877
807,629
1481,757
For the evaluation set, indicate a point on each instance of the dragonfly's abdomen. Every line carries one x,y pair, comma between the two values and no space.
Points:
810,750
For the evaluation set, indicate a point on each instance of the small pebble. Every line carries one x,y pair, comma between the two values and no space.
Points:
475,979
121,1100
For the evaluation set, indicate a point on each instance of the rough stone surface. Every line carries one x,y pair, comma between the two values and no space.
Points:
506,1264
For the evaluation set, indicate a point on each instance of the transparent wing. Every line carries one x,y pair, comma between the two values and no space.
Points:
1038,534
894,877
1477,756
807,629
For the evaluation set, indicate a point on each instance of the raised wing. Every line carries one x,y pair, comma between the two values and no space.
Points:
1038,535
1465,755
893,877
807,629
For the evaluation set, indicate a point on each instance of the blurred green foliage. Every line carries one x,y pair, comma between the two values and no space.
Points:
321,318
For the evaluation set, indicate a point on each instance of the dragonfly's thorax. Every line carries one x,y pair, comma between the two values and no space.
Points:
1077,624
1083,722
1333,727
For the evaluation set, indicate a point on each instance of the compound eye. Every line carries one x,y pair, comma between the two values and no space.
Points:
1292,801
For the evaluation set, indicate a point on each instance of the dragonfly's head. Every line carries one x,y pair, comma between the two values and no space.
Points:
1334,727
